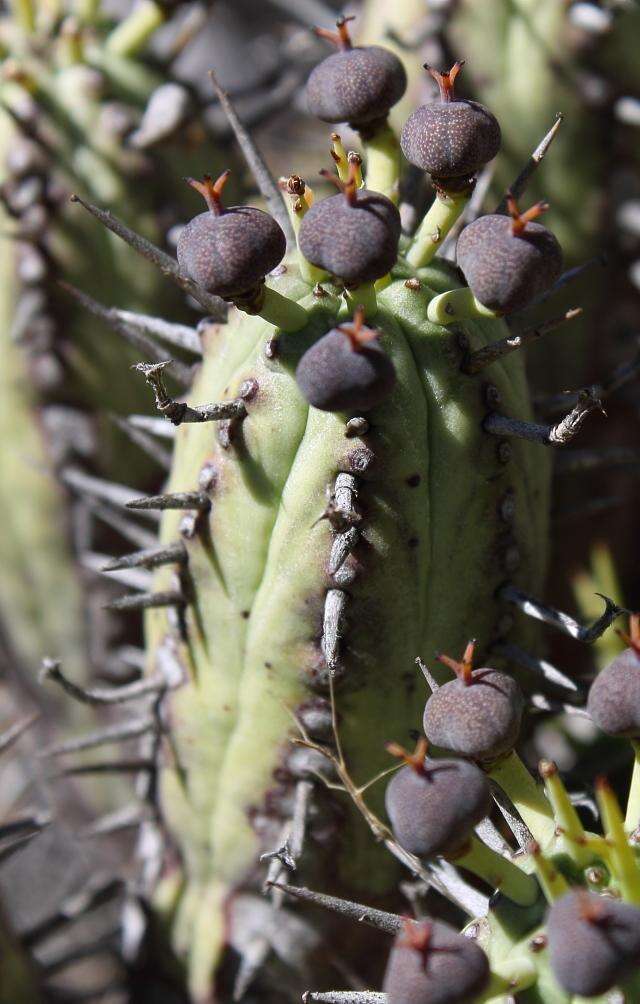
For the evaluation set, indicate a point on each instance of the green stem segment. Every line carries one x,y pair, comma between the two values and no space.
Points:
499,873
134,32
508,978
280,310
565,815
382,162
632,820
445,210
363,296
25,15
512,776
622,859
457,305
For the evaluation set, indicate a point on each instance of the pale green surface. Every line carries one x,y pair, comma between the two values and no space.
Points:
40,600
265,556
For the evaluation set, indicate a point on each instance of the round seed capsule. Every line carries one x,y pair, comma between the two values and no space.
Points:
433,805
614,696
353,235
357,84
477,715
593,941
509,260
430,963
450,138
346,369
228,251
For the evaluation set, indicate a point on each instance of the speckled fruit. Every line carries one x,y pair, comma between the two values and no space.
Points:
593,941
434,809
230,253
614,697
452,139
505,271
334,375
430,963
357,85
355,240
479,719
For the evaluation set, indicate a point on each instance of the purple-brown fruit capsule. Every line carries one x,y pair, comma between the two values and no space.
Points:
451,138
509,260
614,696
357,84
593,942
346,369
434,804
430,963
229,251
478,714
353,235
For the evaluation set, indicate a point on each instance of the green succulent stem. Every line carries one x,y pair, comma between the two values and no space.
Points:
133,33
632,818
363,296
528,797
554,885
565,815
278,309
443,213
382,162
499,872
457,305
298,209
511,976
621,857
25,14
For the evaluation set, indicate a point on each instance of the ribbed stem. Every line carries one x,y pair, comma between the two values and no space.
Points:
456,305
445,210
382,162
499,873
528,797
134,32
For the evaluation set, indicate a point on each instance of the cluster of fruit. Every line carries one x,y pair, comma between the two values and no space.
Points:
507,260
434,804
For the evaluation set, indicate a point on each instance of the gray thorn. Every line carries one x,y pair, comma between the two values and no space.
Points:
521,182
129,729
176,334
144,441
547,435
148,601
264,180
174,500
13,733
102,695
556,618
380,919
178,412
163,261
151,557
